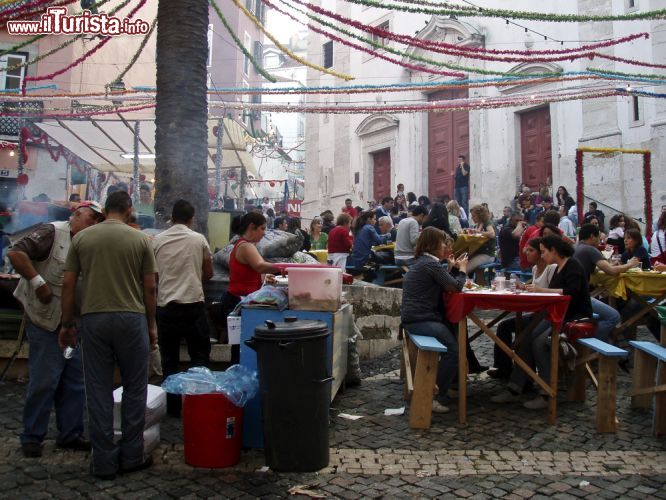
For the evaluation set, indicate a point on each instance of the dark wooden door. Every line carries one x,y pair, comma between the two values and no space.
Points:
381,174
448,137
535,146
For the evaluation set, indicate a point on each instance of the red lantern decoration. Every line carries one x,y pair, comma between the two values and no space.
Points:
272,184
22,179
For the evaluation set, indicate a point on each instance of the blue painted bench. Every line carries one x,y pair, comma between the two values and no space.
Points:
420,357
607,356
649,380
384,272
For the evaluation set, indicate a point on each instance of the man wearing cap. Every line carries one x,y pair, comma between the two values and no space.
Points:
183,263
40,260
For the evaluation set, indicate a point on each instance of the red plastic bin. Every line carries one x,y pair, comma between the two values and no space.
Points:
212,430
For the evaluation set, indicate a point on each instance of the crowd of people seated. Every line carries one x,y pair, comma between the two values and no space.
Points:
538,235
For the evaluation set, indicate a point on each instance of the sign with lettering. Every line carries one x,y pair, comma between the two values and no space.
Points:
294,208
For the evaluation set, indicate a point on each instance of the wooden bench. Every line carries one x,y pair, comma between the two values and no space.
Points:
385,272
607,356
648,380
420,357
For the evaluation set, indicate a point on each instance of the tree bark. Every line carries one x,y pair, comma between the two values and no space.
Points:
181,112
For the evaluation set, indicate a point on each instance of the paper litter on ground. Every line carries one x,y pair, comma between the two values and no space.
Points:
349,417
394,411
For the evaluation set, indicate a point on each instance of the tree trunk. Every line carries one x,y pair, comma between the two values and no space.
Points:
181,113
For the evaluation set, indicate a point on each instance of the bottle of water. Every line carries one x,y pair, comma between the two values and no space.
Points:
513,282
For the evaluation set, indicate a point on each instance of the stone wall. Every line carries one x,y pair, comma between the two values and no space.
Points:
377,316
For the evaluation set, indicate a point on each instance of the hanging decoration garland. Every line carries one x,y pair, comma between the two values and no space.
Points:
284,49
435,106
258,67
110,110
29,9
85,56
405,54
136,55
55,152
647,179
65,44
470,52
462,11
629,76
412,67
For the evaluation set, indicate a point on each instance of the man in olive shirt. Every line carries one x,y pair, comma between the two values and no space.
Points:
117,323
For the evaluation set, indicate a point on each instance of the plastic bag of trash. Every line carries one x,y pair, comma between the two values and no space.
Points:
238,383
267,295
274,244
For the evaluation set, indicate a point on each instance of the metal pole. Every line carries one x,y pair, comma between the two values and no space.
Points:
218,162
135,177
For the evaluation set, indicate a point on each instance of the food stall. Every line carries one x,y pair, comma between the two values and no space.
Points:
314,294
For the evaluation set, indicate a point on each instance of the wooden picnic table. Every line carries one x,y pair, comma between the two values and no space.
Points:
642,285
551,306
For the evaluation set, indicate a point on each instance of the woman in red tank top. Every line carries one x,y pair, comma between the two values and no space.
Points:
246,265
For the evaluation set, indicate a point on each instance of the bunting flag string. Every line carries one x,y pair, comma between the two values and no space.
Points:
423,7
240,45
79,60
284,49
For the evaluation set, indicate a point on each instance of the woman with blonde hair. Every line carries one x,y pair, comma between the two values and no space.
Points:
318,238
454,216
483,225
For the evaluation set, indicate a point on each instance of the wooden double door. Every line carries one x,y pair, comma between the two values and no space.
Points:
448,137
536,149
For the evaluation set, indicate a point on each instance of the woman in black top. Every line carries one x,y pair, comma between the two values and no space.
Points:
439,218
564,198
633,244
569,279
422,310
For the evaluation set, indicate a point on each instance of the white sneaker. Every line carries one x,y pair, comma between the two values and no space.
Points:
537,403
505,397
438,407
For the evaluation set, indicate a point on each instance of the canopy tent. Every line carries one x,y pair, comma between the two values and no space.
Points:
108,144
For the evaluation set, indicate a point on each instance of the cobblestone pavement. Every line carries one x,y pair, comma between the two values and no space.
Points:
505,451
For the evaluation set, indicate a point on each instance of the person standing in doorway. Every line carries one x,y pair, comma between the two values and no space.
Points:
118,267
462,183
183,263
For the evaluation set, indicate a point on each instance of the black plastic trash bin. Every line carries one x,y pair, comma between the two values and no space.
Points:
294,387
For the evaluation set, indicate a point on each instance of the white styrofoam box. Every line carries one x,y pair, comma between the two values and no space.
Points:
155,406
234,329
151,438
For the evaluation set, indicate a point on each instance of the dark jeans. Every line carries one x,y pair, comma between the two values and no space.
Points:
505,331
107,338
461,195
175,321
54,381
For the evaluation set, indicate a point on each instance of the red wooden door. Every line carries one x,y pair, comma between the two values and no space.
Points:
535,146
448,137
381,174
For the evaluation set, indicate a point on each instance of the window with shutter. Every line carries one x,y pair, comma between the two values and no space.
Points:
327,50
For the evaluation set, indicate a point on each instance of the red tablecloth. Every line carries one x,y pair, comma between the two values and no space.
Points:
459,305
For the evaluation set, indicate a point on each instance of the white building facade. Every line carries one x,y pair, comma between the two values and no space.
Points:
364,157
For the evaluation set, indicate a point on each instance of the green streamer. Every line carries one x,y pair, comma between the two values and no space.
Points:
240,45
136,55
